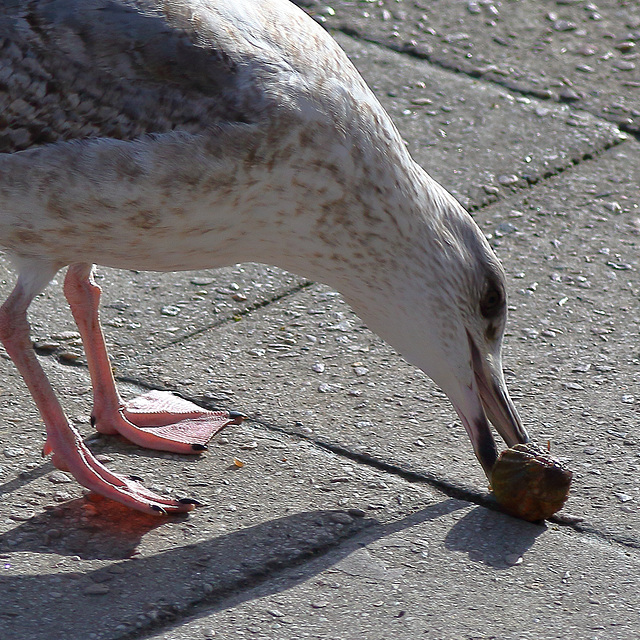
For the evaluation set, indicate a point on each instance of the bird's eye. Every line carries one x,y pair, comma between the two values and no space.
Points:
492,302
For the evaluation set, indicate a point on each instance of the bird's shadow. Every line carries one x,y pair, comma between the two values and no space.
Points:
491,538
196,578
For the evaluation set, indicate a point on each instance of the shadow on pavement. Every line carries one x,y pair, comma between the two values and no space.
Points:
495,539
198,579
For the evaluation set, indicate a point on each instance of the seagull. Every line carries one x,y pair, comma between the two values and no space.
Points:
189,134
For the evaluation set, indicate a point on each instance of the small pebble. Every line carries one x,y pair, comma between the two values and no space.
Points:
587,50
626,46
421,102
101,577
59,477
569,95
624,65
340,517
66,335
46,345
564,25
22,516
170,311
69,356
13,452
62,496
97,589
613,206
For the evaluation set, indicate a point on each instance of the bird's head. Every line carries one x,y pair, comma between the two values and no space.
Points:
440,299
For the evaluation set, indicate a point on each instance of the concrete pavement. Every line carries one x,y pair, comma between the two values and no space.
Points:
360,510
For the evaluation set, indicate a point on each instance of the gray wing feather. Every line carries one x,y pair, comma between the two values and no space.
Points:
77,69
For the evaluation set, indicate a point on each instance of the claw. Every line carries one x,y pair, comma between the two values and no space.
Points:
159,509
192,501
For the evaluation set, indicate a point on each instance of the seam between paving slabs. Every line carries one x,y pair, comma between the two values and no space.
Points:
528,181
532,181
452,66
172,616
449,488
238,315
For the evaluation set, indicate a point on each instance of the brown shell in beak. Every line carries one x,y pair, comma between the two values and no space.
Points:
529,483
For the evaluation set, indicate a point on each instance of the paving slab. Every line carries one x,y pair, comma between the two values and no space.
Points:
330,524
452,124
448,571
583,53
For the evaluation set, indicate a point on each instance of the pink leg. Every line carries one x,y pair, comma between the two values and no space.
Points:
70,453
156,420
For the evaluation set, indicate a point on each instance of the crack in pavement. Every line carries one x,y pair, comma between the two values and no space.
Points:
415,51
451,489
533,181
362,532
172,616
256,306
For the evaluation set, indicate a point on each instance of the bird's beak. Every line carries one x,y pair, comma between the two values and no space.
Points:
488,398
